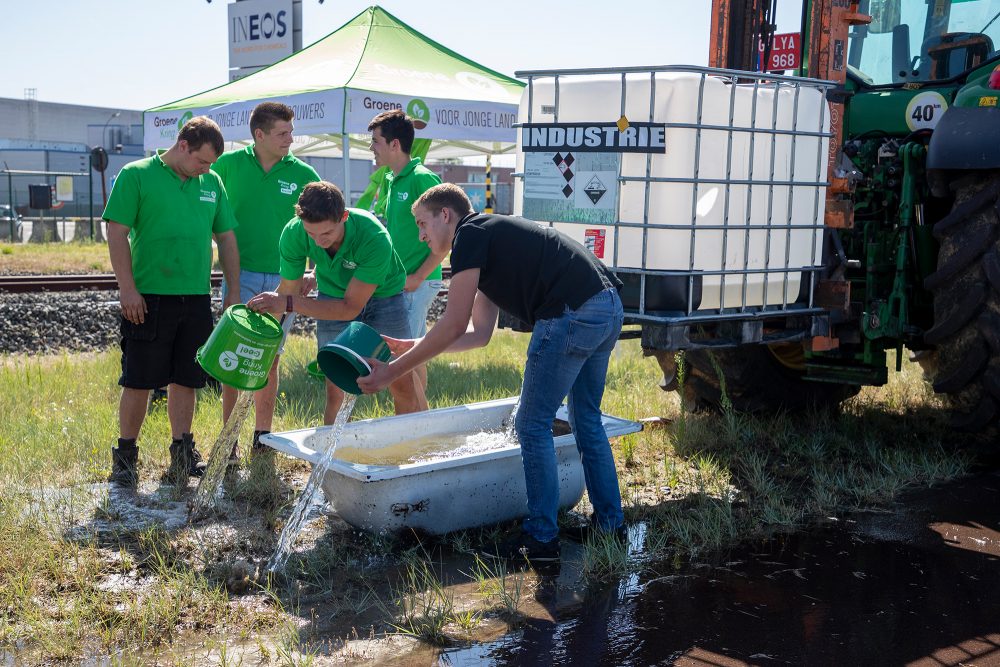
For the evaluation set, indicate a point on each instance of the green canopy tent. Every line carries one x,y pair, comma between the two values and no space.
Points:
373,63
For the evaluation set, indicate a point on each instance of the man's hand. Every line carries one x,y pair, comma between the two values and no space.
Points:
399,345
133,306
268,302
232,298
380,377
307,284
413,281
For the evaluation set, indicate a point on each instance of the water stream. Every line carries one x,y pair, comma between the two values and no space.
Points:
312,487
210,487
508,423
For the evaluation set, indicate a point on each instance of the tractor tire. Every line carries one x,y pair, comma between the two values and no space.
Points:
966,289
758,379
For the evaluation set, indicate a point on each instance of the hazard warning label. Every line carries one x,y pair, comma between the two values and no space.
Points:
570,186
593,240
595,189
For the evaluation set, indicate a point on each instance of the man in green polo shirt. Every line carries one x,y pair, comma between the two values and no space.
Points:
358,274
263,181
392,140
162,215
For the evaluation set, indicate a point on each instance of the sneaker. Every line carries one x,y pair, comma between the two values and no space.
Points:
524,547
124,465
591,533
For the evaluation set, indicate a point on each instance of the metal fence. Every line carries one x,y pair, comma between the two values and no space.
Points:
73,215
732,230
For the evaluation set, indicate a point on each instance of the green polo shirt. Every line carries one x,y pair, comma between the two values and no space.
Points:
171,225
404,189
365,253
263,202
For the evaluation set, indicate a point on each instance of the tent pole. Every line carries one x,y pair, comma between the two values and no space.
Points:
347,169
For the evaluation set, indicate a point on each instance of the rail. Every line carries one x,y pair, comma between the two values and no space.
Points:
90,281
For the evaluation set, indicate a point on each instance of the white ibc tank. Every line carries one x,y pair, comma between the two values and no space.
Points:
777,215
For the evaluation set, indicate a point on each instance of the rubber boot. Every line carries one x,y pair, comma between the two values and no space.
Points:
125,463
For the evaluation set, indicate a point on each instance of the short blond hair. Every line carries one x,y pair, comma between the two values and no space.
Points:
445,195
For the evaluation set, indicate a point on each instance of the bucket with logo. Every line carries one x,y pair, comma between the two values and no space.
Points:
345,359
242,348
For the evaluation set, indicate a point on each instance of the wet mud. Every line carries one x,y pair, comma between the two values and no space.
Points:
917,585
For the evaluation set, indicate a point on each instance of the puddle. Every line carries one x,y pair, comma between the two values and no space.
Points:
919,586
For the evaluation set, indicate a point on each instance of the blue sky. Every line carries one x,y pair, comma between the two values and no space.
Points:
135,54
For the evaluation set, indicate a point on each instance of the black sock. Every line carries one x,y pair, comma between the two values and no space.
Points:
256,436
126,443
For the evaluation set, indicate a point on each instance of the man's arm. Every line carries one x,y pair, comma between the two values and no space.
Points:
484,323
355,298
414,280
229,257
132,304
453,325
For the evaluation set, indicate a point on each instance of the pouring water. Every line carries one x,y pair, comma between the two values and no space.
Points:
210,487
312,488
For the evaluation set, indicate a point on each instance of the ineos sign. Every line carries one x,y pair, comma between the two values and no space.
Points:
260,32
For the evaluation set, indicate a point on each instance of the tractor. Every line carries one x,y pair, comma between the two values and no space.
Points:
787,229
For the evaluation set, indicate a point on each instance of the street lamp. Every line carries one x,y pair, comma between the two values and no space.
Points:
105,128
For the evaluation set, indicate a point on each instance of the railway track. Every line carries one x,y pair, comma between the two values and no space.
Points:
78,282
69,282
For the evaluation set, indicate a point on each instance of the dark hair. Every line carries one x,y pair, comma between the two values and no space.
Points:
394,125
445,195
202,130
266,114
319,202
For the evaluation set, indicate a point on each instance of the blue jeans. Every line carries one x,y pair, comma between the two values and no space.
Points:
568,356
386,316
253,283
418,302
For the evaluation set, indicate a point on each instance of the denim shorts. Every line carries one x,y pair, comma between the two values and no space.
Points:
418,302
253,283
386,316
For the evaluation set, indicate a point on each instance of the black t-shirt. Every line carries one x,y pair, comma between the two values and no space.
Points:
532,272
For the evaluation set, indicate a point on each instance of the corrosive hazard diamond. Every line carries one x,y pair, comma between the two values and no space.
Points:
595,189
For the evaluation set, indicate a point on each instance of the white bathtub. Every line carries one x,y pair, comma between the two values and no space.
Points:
436,496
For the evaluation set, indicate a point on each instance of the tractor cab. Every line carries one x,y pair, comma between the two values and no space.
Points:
921,42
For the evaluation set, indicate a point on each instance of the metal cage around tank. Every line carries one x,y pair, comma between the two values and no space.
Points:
731,230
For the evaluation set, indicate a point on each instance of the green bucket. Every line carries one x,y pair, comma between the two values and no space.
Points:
344,359
242,348
312,368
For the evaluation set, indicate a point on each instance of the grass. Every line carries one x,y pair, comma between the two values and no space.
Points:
72,590
74,257
45,258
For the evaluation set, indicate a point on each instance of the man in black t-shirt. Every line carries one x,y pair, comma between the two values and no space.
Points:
570,299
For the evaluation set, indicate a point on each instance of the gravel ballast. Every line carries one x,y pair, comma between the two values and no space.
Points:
47,322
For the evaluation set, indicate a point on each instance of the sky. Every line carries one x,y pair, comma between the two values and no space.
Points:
135,54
